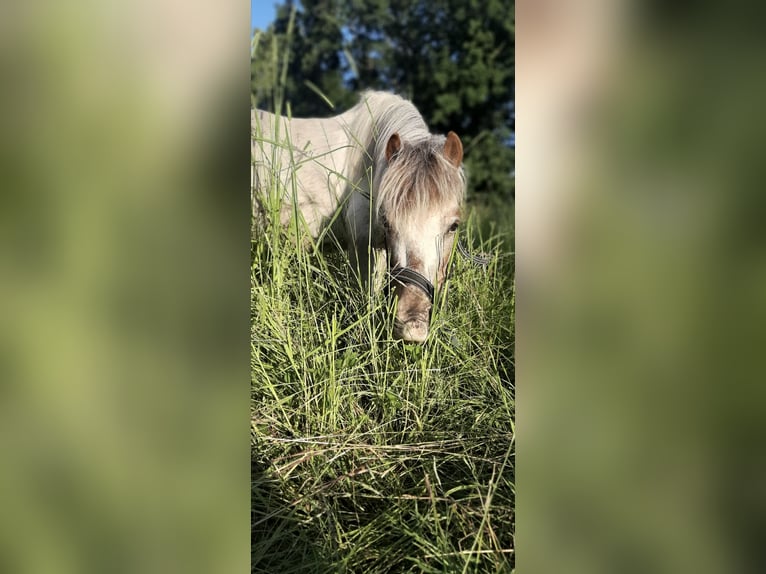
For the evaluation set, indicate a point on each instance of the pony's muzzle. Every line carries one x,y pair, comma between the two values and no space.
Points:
415,296
413,314
413,331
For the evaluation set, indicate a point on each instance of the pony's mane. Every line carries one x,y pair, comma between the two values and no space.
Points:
419,177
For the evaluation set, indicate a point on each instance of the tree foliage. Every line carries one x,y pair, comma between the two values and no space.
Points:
453,58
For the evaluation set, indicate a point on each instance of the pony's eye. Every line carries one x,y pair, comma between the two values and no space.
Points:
453,227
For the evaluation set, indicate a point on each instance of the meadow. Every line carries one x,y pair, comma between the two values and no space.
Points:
368,454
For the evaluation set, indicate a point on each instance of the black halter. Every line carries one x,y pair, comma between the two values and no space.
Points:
407,276
478,260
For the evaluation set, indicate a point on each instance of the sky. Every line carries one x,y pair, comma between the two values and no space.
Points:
262,13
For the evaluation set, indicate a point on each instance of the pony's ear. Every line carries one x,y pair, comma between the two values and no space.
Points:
394,145
453,149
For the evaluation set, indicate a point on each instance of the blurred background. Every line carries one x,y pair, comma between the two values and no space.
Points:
124,287
641,273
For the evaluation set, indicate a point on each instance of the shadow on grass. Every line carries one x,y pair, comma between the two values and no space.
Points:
278,542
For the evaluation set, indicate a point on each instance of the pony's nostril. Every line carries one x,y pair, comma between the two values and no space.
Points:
412,331
417,318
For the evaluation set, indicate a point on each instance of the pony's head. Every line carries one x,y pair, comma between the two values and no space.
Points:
420,201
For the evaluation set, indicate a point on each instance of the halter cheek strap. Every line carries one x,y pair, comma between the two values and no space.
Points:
478,260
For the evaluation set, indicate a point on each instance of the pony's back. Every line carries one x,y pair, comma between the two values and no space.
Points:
319,164
302,160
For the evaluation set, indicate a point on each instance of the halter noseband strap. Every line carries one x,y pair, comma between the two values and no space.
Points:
407,276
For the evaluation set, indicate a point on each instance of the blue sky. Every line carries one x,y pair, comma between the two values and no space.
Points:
262,13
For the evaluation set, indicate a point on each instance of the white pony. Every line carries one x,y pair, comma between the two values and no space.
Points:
381,181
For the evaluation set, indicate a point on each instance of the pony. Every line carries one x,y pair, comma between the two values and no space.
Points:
376,177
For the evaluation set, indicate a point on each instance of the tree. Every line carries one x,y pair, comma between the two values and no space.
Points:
453,58
315,85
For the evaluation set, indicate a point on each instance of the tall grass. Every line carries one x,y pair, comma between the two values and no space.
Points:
369,454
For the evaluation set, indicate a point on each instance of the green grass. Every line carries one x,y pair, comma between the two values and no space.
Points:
372,455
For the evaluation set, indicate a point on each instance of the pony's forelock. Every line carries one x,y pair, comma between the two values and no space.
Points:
419,179
419,176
